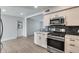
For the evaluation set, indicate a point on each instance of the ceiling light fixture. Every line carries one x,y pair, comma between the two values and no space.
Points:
3,10
21,13
35,6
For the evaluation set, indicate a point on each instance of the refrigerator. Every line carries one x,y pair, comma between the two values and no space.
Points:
1,30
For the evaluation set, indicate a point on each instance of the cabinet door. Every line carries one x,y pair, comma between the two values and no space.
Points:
46,20
72,17
71,44
44,40
37,39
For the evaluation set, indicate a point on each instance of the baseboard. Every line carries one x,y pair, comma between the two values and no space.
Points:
30,35
21,37
3,40
13,38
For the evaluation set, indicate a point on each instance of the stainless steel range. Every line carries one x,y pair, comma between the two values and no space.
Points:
56,36
55,39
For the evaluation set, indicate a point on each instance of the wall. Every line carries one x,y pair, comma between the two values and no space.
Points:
34,24
9,27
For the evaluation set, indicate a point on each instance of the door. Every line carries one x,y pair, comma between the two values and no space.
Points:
19,28
55,43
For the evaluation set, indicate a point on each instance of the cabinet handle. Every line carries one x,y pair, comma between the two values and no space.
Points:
72,45
72,40
43,34
70,52
65,22
77,39
39,37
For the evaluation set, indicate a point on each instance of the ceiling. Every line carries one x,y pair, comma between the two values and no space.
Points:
23,11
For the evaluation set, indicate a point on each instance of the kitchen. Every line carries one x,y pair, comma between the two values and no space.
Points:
62,31
53,30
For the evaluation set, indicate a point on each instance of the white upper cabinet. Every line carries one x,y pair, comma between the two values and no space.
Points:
46,20
72,17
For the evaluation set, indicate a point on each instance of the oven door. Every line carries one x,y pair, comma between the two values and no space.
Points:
59,45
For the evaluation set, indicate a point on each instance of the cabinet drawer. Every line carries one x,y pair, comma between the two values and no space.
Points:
69,51
72,42
71,47
72,50
69,41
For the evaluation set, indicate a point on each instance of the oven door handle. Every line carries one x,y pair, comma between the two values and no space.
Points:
56,36
56,39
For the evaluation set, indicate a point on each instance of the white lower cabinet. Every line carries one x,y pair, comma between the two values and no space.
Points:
44,40
37,38
71,44
40,38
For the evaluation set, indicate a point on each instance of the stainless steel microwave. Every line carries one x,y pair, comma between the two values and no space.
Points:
57,21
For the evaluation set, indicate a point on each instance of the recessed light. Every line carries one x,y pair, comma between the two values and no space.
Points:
21,13
3,10
35,6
